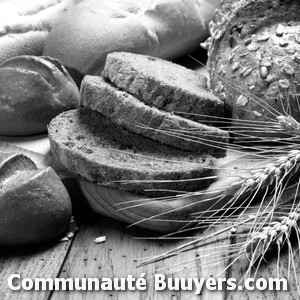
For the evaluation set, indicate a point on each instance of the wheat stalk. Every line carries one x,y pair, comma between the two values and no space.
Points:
264,230
269,183
275,233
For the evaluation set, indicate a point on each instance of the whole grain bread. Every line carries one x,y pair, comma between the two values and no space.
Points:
254,60
90,145
163,84
126,110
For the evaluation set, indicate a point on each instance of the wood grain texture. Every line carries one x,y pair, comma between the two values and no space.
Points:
285,265
120,255
32,262
269,269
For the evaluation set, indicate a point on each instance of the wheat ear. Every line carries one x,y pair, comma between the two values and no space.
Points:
277,174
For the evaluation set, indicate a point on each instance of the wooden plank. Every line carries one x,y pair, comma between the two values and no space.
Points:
272,268
285,265
119,256
31,262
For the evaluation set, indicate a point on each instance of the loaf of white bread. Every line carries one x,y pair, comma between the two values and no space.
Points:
162,28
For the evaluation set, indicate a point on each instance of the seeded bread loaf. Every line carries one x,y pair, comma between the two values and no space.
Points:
90,145
163,84
161,28
126,110
254,60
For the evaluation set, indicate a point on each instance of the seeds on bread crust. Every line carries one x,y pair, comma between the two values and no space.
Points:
126,110
90,145
275,73
163,84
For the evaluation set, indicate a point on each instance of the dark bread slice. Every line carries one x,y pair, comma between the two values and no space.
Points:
163,84
89,144
126,110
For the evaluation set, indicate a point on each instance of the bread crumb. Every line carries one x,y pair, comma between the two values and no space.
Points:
70,235
64,239
100,239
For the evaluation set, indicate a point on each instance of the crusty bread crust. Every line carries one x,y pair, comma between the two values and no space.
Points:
90,145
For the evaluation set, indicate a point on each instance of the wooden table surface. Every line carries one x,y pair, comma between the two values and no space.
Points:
120,255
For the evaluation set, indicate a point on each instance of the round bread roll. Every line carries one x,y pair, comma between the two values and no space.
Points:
35,207
92,29
33,90
254,60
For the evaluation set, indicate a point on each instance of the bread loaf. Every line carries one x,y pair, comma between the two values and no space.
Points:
35,207
126,110
32,91
90,145
92,29
25,25
254,60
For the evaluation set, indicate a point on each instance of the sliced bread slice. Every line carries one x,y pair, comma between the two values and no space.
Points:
90,145
163,84
126,110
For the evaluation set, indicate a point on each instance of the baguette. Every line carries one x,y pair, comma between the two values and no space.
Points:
92,29
90,145
35,207
25,25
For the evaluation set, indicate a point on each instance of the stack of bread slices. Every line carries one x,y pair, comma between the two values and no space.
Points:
142,128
